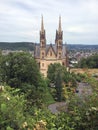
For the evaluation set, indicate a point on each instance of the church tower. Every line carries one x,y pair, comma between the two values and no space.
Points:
50,54
42,41
59,40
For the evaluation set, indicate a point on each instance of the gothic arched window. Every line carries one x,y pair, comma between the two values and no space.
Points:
60,45
42,44
59,54
50,53
43,55
42,64
63,63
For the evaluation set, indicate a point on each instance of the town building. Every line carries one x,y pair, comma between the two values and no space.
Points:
46,54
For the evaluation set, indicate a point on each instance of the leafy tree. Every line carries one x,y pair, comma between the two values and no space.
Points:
60,78
81,114
52,71
11,109
58,84
90,62
0,66
19,68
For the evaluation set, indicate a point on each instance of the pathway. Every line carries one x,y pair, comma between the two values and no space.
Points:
84,89
53,107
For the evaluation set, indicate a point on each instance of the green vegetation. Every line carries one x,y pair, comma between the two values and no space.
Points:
19,68
25,95
63,81
29,46
90,62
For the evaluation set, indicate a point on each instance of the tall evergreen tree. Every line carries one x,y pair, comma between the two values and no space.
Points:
58,86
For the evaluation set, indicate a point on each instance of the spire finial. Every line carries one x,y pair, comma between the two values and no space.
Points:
42,25
59,29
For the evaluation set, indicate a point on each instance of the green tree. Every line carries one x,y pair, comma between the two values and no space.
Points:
52,71
0,67
11,109
58,84
19,68
60,78
89,62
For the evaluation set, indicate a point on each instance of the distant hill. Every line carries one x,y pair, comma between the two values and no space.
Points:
82,47
29,46
17,46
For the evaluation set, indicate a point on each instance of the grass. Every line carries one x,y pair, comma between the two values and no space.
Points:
84,70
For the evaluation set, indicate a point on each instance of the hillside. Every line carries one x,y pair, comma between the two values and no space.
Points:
82,47
17,46
30,46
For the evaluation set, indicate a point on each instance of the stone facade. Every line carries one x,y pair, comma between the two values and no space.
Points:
46,54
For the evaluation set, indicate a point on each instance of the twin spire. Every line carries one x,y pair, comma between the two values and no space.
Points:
42,25
59,28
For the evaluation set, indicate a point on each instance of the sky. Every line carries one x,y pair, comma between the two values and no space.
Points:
20,20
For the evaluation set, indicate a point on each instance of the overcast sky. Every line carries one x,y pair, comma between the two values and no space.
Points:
20,20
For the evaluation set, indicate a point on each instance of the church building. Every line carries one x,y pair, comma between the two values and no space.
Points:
46,54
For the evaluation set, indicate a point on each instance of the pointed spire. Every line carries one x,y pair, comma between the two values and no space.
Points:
59,29
42,25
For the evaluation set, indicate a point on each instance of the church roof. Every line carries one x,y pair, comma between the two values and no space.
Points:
53,46
37,50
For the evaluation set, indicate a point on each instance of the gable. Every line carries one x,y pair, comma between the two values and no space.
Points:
50,53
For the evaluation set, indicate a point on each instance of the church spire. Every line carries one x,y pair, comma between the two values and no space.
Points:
42,24
42,34
59,29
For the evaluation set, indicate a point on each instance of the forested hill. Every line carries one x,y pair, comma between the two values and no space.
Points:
30,46
82,47
17,46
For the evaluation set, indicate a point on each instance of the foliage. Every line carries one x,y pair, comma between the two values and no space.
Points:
0,66
66,76
58,84
84,112
19,68
24,107
38,98
80,115
29,46
11,109
90,62
61,79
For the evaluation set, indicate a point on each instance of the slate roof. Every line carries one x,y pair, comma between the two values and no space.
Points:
37,50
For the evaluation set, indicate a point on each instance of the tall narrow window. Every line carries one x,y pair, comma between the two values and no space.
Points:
42,55
63,63
43,44
59,55
50,53
60,45
42,64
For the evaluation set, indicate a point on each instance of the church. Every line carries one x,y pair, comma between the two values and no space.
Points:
46,54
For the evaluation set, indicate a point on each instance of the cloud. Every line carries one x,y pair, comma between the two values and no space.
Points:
20,20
